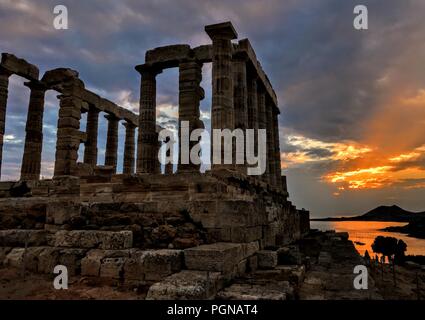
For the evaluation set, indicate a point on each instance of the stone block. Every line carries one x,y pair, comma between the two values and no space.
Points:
48,259
252,264
242,267
61,212
92,262
251,292
21,238
187,285
267,259
90,239
3,253
71,258
249,249
19,66
158,264
112,268
289,255
133,269
15,258
220,257
246,234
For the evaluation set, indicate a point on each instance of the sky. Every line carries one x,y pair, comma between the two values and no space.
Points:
352,124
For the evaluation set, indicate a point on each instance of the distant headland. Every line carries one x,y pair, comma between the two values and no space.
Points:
414,228
382,213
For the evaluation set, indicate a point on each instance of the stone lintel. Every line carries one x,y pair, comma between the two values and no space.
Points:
224,30
203,53
168,56
36,85
57,77
19,66
245,46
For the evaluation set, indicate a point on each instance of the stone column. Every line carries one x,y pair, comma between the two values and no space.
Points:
278,170
157,164
112,141
240,100
90,150
4,85
271,155
222,114
68,135
190,95
147,139
31,160
262,118
252,101
129,148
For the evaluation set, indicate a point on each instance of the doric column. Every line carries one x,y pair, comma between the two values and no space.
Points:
240,100
271,155
90,149
111,141
222,113
129,148
4,85
190,95
252,103
68,135
278,170
147,139
262,120
31,160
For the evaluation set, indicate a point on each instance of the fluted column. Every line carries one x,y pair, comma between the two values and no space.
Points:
278,169
252,101
262,120
129,148
31,160
111,141
190,95
68,135
4,85
240,101
222,113
147,157
271,155
90,150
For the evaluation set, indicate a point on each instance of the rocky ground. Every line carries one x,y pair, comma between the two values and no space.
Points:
14,286
331,277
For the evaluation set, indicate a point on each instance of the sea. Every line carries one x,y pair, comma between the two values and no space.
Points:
363,233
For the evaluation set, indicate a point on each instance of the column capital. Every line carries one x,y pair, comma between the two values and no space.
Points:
129,125
148,69
223,30
111,117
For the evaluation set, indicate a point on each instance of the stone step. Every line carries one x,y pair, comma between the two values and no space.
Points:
22,238
187,285
43,259
92,239
132,265
219,257
269,291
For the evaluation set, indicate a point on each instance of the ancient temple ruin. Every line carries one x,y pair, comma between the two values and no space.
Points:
143,225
